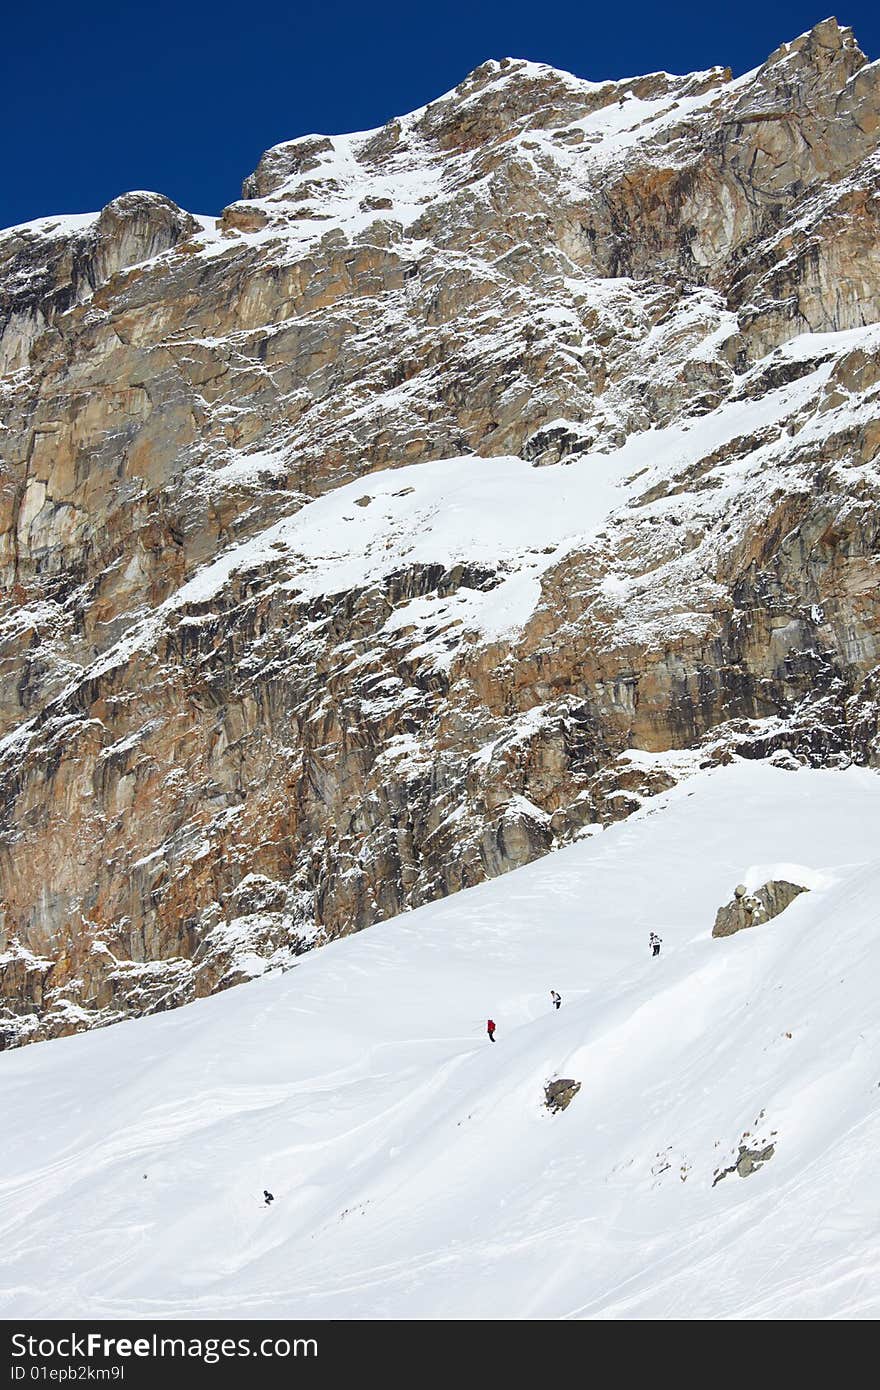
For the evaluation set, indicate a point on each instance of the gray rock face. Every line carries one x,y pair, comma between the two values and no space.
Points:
559,1094
750,909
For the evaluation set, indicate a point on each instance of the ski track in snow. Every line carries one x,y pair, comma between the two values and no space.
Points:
415,1171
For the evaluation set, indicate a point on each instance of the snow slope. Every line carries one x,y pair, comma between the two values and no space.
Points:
415,1171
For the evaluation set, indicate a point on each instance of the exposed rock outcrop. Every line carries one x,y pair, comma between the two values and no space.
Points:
559,1094
49,266
750,909
748,1162
399,528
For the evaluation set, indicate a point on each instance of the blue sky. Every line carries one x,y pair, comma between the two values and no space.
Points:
184,97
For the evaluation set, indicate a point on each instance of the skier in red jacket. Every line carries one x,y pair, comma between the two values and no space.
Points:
490,1029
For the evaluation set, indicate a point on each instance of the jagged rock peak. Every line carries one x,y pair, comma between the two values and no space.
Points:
496,100
826,45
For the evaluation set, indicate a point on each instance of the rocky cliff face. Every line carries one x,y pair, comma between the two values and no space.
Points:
753,909
413,518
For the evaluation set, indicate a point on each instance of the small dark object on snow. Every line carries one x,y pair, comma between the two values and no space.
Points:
654,943
490,1029
560,1093
557,998
268,1196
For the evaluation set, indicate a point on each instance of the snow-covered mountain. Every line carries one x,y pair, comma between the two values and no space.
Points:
415,1168
350,542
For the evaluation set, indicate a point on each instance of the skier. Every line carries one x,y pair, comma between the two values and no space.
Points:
490,1029
557,999
268,1196
655,944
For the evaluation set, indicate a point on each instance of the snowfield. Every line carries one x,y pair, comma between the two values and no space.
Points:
415,1170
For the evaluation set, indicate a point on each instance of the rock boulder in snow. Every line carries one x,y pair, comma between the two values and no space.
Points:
750,909
559,1094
